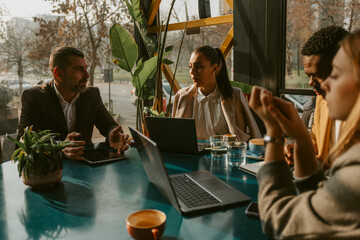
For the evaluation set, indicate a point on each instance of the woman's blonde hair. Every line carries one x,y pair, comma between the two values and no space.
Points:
350,133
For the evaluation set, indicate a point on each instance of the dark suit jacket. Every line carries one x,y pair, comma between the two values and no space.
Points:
42,110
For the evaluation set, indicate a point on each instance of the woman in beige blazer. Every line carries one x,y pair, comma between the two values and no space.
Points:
216,107
314,207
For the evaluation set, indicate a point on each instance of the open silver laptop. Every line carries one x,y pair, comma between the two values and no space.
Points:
191,192
176,135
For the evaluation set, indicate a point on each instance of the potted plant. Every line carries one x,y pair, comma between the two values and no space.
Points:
125,52
39,158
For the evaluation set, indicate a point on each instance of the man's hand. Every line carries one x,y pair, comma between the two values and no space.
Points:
74,152
117,140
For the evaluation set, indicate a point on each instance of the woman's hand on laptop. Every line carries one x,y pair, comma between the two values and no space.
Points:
118,140
76,151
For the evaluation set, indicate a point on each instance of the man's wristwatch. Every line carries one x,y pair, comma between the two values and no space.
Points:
269,139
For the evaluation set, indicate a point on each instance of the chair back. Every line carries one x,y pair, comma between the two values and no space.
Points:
8,126
246,89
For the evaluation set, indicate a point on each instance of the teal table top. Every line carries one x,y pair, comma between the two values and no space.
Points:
92,202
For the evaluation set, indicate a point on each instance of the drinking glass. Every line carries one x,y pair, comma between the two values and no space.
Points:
217,146
235,152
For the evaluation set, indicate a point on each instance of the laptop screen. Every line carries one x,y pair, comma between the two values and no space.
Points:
173,134
154,166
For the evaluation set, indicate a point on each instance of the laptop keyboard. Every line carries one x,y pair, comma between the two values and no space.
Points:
191,194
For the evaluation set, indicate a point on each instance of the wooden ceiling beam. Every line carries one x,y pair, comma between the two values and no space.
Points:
230,2
154,7
194,24
228,42
169,76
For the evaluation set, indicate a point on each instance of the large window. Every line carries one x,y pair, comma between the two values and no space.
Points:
115,84
304,17
185,10
188,10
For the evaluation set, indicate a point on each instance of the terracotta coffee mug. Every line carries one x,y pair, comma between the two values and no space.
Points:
147,224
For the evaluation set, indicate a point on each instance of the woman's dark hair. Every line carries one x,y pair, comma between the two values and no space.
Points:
215,56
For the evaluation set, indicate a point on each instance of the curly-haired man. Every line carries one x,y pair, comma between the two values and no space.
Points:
318,53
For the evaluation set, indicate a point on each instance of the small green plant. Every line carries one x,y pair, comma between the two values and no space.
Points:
38,153
151,112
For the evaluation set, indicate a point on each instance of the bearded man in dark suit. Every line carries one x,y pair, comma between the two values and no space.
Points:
66,105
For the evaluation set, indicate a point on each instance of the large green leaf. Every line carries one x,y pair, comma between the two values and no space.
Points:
135,80
135,12
136,83
149,42
141,24
146,70
123,47
131,9
147,92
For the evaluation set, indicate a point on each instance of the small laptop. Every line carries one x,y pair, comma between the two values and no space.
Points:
177,135
191,192
99,153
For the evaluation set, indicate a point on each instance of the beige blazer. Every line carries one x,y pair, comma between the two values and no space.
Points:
237,114
323,209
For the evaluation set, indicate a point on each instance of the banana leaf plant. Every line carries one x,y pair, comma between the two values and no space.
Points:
140,21
38,153
125,52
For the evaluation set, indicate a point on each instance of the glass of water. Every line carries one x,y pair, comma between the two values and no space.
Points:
235,152
217,146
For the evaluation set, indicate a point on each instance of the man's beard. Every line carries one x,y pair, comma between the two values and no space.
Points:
318,89
80,88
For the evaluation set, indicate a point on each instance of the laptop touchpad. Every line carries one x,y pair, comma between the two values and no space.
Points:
214,185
